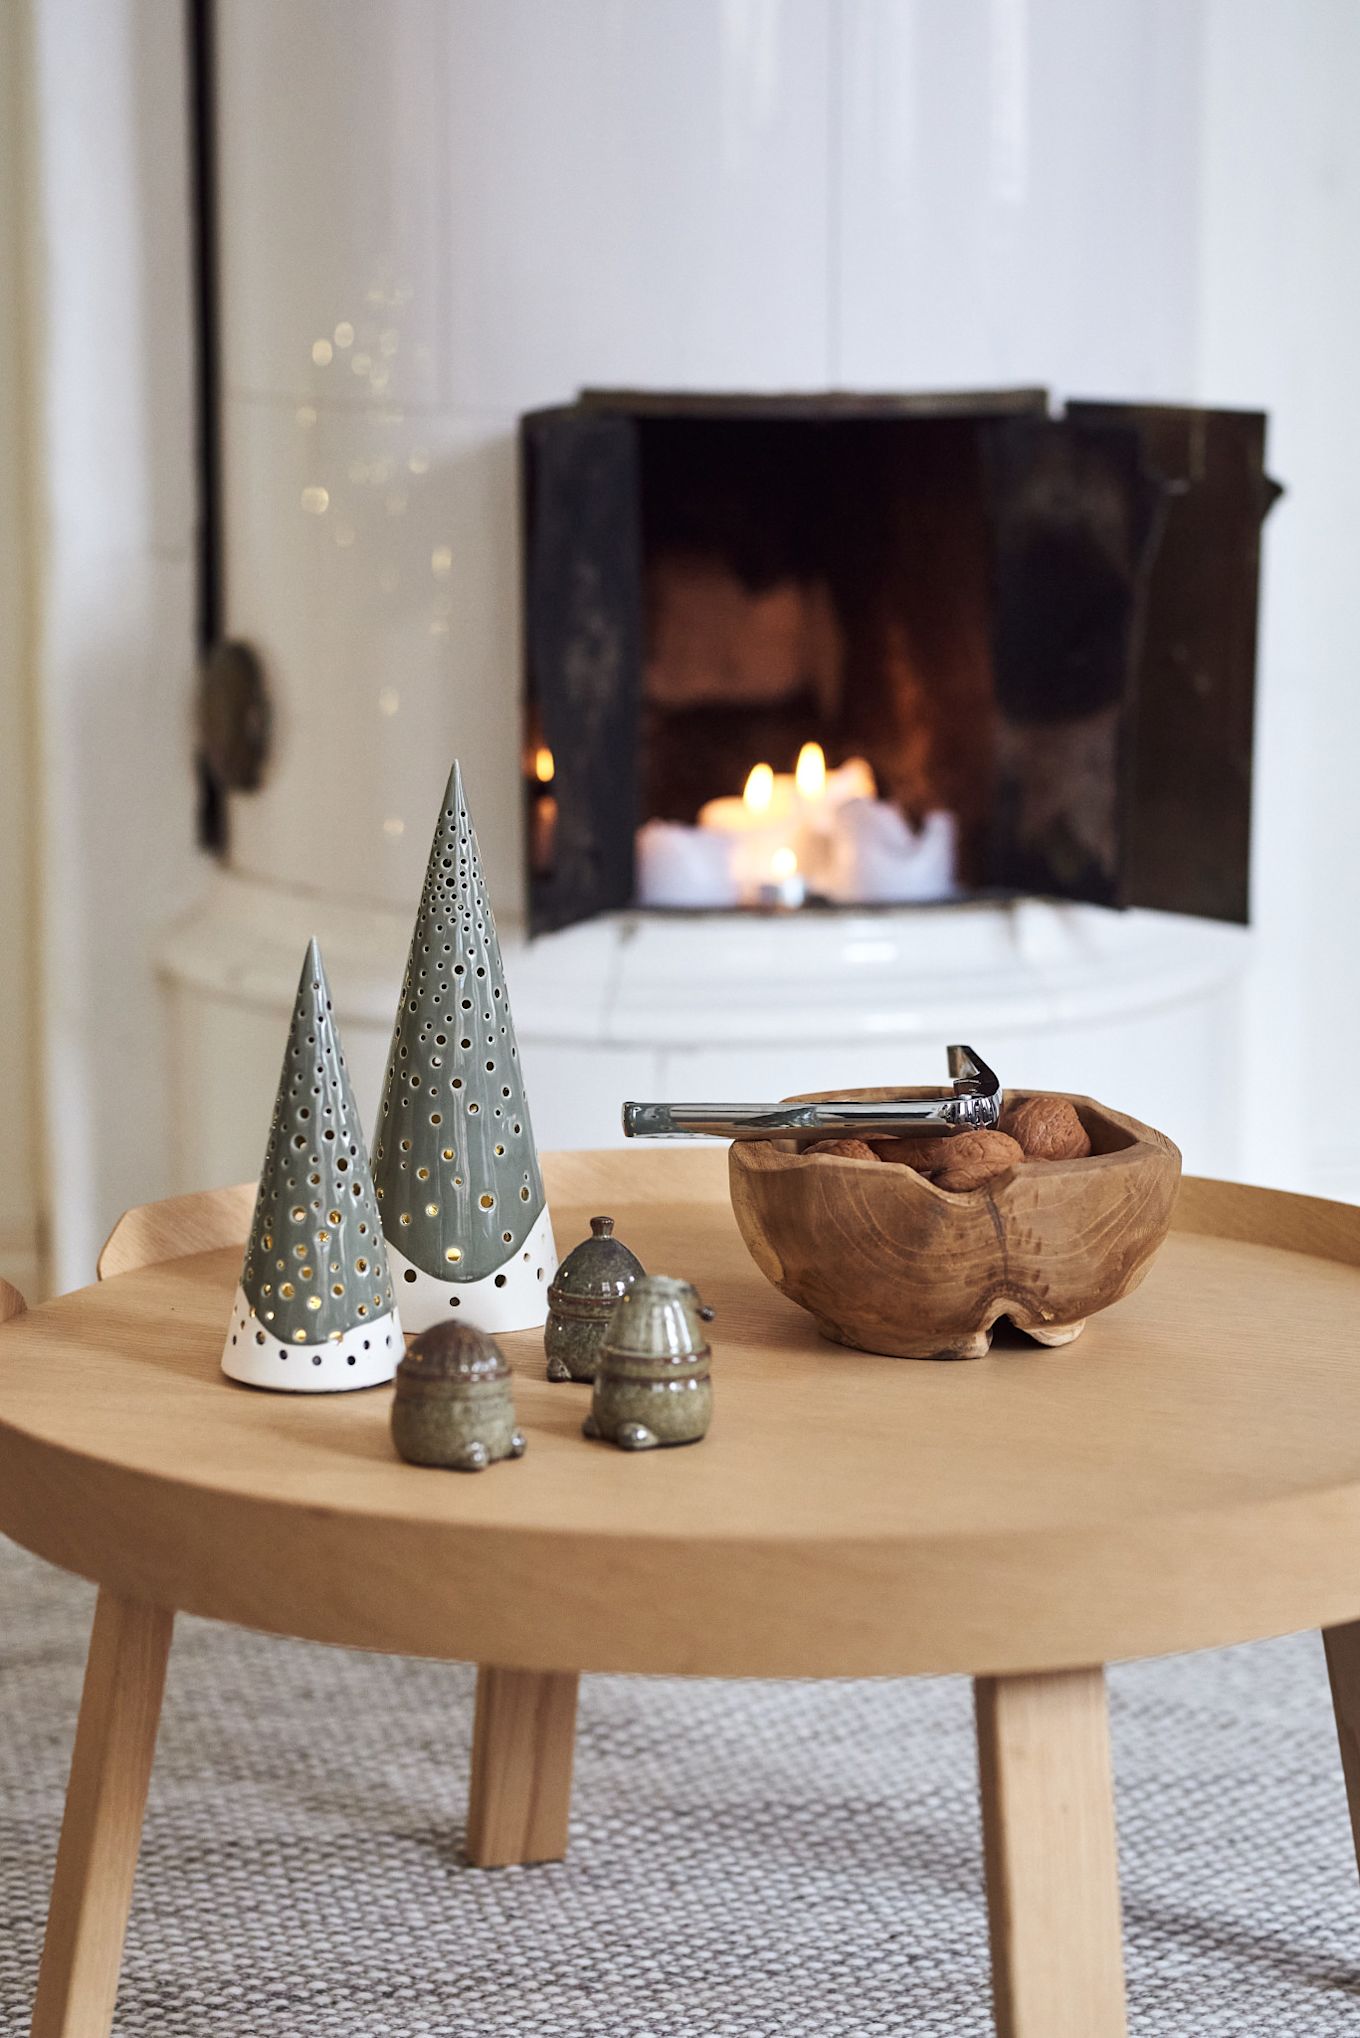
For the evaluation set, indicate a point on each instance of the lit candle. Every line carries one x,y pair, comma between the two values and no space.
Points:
763,821
784,886
809,774
543,844
765,800
815,816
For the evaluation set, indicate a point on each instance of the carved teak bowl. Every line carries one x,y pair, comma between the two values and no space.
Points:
886,1262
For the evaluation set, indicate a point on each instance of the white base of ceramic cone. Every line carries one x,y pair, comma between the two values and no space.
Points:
364,1357
514,1296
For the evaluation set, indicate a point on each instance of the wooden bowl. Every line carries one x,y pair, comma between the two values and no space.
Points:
886,1262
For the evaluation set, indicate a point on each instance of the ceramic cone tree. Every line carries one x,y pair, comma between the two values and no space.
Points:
314,1311
454,1160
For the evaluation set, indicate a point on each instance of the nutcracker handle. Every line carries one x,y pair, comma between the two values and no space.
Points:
972,1104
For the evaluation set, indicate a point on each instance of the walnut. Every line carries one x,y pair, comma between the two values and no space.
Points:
1048,1128
977,1157
925,1155
844,1149
964,1161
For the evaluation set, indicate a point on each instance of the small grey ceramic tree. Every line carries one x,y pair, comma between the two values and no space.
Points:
454,1160
314,1311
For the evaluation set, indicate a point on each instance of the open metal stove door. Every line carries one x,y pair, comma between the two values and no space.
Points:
1126,555
1186,791
583,645
1074,515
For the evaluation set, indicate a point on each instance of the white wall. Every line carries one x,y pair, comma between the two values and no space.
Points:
20,1181
1279,317
110,516
1015,194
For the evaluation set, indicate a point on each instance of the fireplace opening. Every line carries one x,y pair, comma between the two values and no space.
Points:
814,613
838,652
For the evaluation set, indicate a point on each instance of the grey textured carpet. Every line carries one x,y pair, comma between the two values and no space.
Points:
747,1860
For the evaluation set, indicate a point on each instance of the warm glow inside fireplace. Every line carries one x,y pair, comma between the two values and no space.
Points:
875,651
816,706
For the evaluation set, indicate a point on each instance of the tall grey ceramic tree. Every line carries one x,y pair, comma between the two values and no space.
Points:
454,1160
314,1311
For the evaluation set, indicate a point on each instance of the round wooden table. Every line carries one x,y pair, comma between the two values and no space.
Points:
1186,1474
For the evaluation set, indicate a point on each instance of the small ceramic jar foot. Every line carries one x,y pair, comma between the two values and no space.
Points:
558,1370
634,1436
517,1444
629,1436
472,1458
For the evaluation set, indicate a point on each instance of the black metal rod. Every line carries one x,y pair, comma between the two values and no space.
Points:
201,32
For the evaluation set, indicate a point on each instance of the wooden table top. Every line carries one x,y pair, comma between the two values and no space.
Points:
1186,1474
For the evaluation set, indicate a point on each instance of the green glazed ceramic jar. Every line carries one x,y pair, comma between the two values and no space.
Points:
588,1284
453,1405
653,1385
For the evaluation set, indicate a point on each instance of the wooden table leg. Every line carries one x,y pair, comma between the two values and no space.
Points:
101,1828
1343,1669
523,1739
1049,1846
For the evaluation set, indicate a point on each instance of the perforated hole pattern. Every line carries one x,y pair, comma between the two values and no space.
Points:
454,1162
316,1264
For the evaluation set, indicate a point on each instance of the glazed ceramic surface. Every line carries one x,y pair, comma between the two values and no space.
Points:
453,1404
590,1282
313,1312
454,1160
653,1385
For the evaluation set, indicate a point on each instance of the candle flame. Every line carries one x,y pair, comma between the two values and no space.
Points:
855,780
543,765
784,863
809,774
759,788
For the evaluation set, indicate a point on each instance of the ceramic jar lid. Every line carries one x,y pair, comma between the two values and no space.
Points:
451,1352
661,1319
594,1274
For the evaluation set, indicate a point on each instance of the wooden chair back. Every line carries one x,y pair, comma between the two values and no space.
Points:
177,1226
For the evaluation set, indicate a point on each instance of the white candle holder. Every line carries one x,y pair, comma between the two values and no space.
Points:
880,860
679,866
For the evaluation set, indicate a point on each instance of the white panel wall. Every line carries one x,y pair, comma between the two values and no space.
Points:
639,196
1279,315
1015,195
333,206
20,1177
387,622
477,206
112,447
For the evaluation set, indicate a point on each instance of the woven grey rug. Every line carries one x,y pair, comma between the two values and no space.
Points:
747,1860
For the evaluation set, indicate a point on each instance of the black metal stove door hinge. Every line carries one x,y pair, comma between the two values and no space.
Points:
232,728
